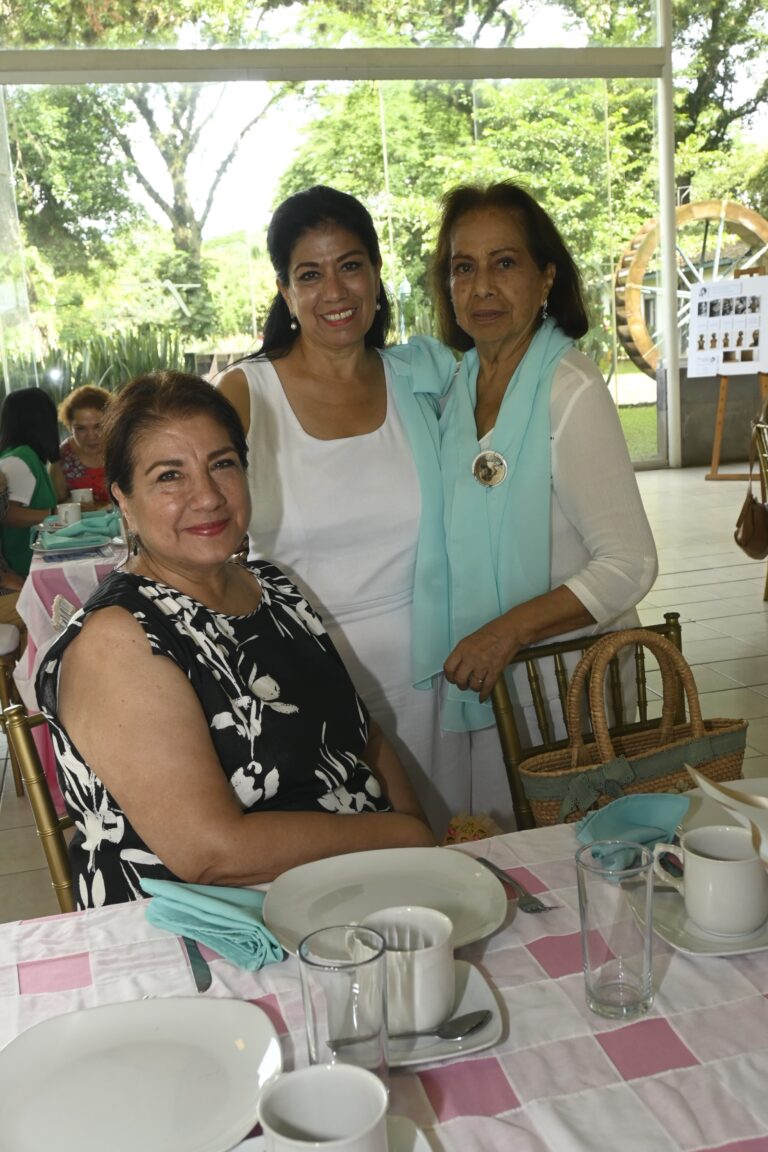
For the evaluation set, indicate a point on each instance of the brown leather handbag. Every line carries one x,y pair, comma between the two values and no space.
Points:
751,533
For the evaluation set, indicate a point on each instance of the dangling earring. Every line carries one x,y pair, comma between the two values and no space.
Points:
544,309
378,307
134,543
294,324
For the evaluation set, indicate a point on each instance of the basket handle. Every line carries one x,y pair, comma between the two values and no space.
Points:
671,663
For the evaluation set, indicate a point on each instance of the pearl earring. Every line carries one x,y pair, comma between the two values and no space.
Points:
294,324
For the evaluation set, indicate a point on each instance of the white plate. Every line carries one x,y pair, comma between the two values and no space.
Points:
73,546
705,811
671,924
472,993
181,1075
402,1136
344,889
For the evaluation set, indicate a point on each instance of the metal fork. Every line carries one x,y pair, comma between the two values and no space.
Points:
526,902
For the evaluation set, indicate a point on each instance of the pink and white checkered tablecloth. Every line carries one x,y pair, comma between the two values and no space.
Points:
691,1075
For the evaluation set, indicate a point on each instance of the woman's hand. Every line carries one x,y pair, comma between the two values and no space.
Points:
479,659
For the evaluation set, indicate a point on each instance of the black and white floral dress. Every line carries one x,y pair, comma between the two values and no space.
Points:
286,722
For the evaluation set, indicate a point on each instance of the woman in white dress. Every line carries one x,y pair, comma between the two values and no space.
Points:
344,473
546,532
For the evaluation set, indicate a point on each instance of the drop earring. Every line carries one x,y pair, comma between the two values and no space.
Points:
294,324
545,309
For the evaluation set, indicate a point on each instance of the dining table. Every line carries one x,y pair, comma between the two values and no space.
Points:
75,578
688,1076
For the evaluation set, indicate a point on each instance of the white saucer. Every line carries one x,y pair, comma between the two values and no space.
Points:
472,993
402,1136
671,923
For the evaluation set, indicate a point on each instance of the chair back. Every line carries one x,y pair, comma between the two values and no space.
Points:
50,826
535,659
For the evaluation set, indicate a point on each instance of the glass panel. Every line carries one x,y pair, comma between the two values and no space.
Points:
354,23
152,219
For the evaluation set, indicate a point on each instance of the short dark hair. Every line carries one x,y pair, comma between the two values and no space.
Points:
148,401
545,244
29,417
301,212
86,396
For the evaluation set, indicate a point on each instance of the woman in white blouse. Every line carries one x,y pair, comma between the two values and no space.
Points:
545,527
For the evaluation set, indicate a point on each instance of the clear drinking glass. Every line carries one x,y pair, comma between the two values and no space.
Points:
615,879
344,989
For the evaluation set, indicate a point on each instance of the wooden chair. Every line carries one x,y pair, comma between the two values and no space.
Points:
760,441
50,826
533,658
9,654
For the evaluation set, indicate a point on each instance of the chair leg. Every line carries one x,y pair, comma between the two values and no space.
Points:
7,697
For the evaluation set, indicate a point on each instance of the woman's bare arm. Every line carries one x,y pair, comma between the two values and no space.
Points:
148,742
19,516
56,473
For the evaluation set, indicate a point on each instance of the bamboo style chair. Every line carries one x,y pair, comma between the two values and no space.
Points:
760,441
50,826
511,745
10,650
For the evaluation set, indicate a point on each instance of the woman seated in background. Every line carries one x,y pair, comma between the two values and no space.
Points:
81,462
344,473
29,440
10,582
239,751
546,532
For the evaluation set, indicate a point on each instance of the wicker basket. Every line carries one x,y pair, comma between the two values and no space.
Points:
563,785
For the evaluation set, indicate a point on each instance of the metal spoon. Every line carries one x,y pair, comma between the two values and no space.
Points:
454,1029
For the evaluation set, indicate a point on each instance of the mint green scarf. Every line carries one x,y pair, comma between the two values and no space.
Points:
498,538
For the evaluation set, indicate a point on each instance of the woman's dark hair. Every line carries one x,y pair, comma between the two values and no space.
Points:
545,244
28,416
301,212
86,396
148,401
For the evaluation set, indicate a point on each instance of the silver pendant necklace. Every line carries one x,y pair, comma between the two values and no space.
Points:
489,468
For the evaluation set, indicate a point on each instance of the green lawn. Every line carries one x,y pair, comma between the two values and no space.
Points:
639,424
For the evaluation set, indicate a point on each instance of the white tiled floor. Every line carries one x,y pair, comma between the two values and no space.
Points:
703,575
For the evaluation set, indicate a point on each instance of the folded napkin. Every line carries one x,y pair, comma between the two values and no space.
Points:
644,818
228,920
93,531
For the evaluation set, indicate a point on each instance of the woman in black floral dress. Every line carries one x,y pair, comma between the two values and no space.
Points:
232,757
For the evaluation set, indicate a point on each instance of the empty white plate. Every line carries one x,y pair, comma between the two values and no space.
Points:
345,889
177,1075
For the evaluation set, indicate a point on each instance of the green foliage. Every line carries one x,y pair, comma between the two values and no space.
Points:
640,430
105,360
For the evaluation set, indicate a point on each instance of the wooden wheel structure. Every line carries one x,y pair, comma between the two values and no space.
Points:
713,238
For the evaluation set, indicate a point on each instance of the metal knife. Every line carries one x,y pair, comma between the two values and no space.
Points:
199,965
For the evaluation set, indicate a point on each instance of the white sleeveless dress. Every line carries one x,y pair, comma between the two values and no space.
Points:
341,518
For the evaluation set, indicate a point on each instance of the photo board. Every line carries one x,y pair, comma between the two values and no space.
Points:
728,328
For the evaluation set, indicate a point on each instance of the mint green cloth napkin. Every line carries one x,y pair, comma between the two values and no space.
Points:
93,531
645,818
228,920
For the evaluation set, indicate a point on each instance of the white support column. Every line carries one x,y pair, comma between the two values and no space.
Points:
666,143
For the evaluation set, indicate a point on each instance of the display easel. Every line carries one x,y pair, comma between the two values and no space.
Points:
714,473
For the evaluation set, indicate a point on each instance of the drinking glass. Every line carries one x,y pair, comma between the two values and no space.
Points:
343,985
615,880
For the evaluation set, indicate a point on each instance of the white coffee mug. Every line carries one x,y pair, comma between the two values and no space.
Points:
81,495
420,968
724,883
333,1107
69,513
